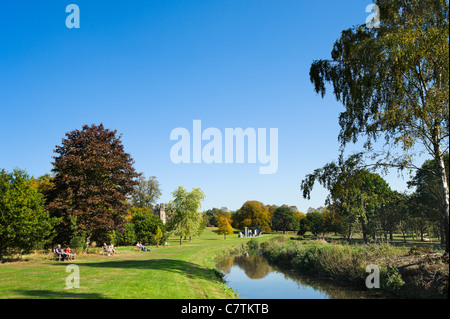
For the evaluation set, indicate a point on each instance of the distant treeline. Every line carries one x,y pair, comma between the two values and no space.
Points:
93,194
377,212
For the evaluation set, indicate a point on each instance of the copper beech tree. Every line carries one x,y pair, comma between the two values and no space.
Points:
93,178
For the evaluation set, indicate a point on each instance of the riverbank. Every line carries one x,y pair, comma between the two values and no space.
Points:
404,272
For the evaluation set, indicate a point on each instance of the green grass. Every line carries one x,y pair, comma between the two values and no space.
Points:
398,240
171,272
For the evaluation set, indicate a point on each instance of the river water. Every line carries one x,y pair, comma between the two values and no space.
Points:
253,278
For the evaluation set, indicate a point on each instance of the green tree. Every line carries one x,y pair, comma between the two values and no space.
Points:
44,185
283,218
183,217
427,193
356,191
127,236
389,214
402,208
24,224
146,193
332,219
298,217
303,226
147,225
394,84
314,220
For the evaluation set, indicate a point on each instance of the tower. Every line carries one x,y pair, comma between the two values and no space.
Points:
162,213
159,211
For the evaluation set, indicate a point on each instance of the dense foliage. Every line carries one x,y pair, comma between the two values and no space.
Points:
393,81
92,178
88,198
24,224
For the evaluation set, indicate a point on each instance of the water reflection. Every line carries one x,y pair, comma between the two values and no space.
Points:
252,277
255,266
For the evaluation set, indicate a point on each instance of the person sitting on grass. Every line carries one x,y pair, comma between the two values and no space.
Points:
111,249
105,248
60,252
141,247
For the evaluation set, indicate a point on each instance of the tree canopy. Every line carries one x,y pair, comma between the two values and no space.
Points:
183,217
24,224
357,192
224,226
148,228
253,214
93,178
394,83
146,192
284,218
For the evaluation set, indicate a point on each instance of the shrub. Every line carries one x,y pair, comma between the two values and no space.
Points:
273,242
78,242
146,227
344,262
127,236
391,279
253,244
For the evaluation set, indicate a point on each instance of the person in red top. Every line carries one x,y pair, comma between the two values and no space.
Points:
69,255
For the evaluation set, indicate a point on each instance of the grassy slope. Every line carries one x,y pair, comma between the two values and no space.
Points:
172,272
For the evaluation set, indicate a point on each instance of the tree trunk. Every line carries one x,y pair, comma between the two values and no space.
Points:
444,191
181,240
404,235
364,231
350,226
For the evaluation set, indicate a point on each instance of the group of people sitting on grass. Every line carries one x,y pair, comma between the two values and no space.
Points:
110,249
142,247
64,253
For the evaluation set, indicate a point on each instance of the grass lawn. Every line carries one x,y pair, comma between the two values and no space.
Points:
171,272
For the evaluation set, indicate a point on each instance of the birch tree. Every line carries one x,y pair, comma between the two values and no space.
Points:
393,82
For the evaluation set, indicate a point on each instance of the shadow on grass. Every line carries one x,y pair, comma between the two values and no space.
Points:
49,294
182,267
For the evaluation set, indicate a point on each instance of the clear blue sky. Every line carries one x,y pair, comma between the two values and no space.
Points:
147,67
